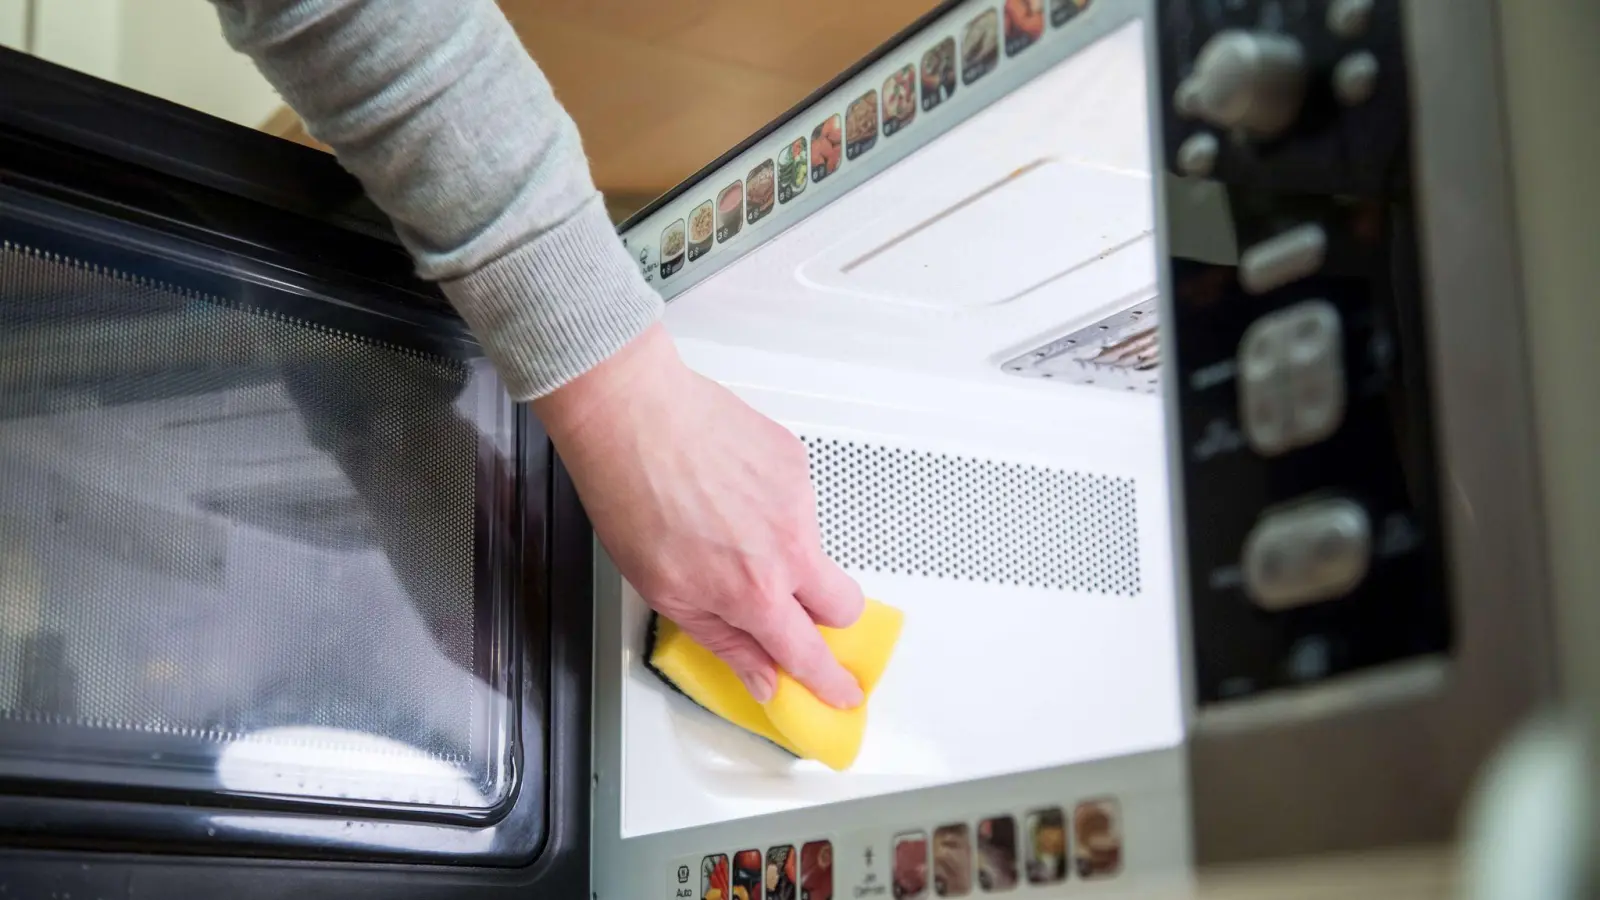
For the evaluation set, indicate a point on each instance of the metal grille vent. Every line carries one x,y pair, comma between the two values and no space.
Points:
908,512
1121,352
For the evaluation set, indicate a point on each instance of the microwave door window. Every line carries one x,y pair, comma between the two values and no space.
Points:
241,552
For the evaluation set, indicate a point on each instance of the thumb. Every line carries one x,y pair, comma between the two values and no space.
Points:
742,654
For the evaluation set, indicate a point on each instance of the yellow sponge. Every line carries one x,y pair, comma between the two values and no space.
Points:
794,718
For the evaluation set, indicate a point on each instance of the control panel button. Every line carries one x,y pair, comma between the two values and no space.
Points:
863,865
689,877
1355,78
1291,377
1283,258
1263,408
1308,553
1349,18
1197,155
1247,80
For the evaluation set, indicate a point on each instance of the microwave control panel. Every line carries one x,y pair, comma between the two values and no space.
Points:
1298,350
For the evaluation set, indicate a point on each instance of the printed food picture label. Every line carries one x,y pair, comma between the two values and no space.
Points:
1047,846
910,872
672,248
899,100
980,46
793,169
1063,11
715,883
816,871
952,860
938,73
730,211
747,875
702,227
861,125
997,854
1097,836
827,143
1024,24
782,874
760,192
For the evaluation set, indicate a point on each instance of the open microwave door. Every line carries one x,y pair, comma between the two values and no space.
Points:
279,557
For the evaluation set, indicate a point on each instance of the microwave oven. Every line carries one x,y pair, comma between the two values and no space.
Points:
1174,365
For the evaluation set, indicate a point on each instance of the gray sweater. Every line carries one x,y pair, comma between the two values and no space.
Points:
454,132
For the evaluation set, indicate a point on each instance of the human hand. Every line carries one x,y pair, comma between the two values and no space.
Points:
707,508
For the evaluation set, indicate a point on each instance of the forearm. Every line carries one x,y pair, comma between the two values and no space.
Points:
454,132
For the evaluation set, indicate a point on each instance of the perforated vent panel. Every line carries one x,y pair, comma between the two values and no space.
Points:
908,512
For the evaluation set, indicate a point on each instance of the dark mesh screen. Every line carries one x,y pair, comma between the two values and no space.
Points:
223,526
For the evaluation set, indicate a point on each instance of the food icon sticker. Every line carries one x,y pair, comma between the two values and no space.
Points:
997,853
826,143
672,248
861,125
1063,11
730,211
792,170
1024,24
1047,846
980,46
1097,833
899,100
714,878
701,226
747,875
938,73
760,192
816,871
952,860
780,876
910,866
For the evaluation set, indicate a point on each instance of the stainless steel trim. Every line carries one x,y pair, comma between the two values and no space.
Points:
1550,69
1388,766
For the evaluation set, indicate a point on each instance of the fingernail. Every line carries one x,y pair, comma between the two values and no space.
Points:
760,685
852,697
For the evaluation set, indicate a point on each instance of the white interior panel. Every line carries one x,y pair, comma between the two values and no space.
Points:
905,255
990,677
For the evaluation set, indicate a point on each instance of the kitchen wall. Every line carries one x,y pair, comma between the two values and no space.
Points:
13,23
170,48
174,49
658,89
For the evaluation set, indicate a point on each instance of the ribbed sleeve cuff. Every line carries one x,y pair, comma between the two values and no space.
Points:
557,306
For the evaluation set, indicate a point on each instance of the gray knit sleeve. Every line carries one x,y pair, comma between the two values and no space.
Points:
454,132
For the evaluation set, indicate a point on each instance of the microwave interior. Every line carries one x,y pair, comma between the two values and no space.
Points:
959,322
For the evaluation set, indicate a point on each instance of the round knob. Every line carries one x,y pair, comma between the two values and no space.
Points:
1246,80
1197,155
